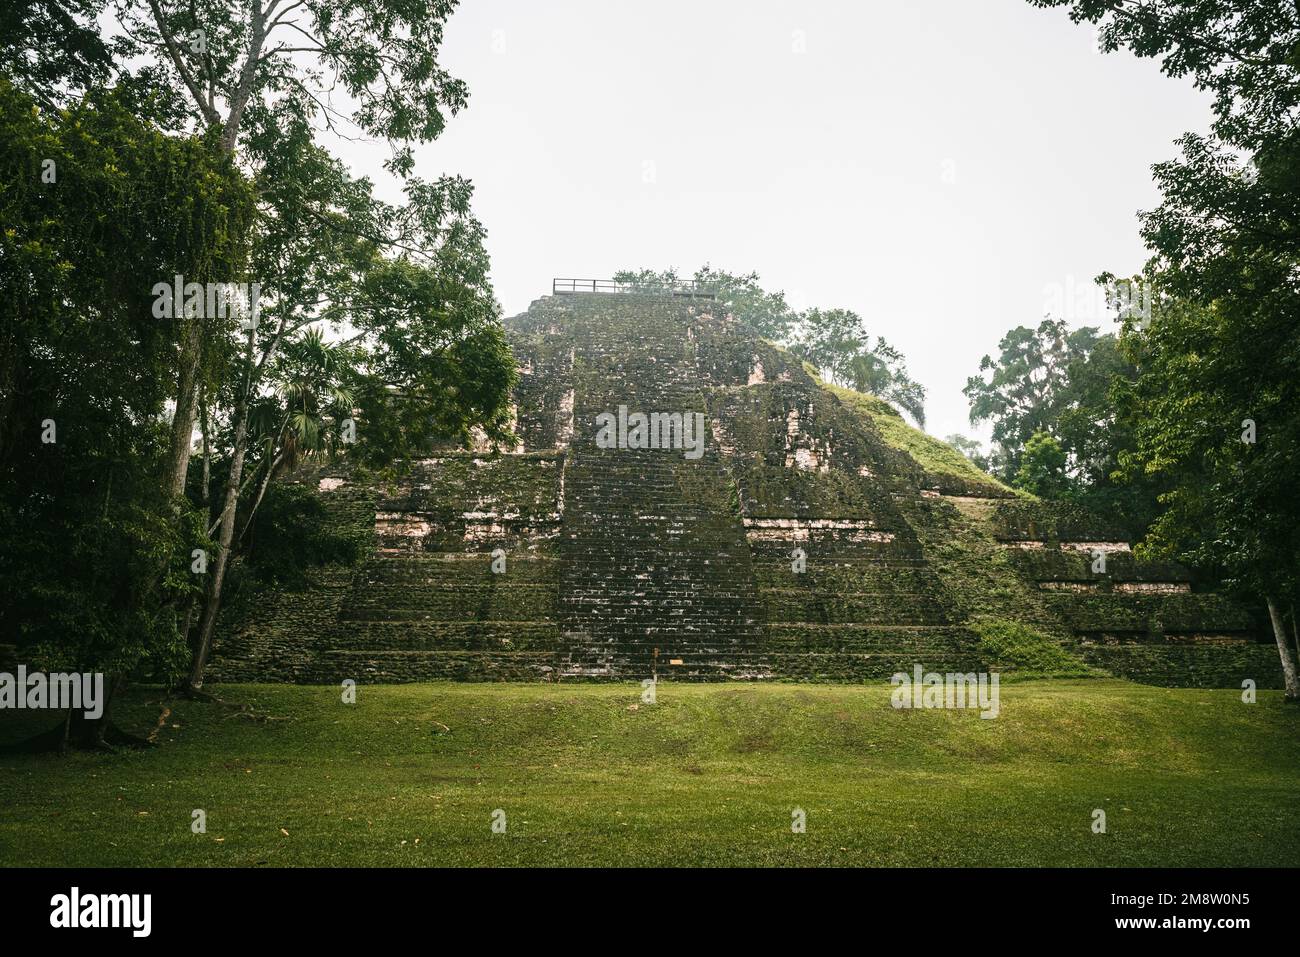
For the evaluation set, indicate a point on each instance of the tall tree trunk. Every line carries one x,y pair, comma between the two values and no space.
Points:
1295,631
188,620
1289,670
261,494
96,734
183,421
213,606
207,452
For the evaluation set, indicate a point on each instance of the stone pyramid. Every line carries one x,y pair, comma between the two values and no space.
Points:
815,536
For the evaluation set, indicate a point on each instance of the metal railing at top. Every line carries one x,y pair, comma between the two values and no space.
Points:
687,288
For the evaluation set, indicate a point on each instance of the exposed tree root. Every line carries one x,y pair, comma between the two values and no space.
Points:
162,720
237,709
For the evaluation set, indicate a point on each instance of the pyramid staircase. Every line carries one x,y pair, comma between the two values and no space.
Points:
656,577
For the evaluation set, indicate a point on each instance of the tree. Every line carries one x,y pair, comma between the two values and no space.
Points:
1058,383
1213,408
1216,413
1024,391
1042,467
245,68
829,340
230,57
431,359
52,48
96,561
836,342
881,370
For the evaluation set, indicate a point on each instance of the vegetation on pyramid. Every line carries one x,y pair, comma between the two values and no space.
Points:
945,467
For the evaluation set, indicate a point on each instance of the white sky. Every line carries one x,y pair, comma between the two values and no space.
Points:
824,170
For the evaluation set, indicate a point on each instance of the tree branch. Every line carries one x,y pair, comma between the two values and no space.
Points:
173,50
244,89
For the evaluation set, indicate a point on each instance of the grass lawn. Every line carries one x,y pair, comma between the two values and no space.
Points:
411,774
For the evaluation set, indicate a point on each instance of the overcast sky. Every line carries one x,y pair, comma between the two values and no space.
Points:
946,168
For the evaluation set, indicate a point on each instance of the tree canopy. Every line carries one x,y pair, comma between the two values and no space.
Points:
834,341
94,561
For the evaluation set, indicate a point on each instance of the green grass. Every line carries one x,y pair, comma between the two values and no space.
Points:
930,453
411,774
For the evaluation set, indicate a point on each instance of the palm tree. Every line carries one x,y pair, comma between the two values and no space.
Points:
305,415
